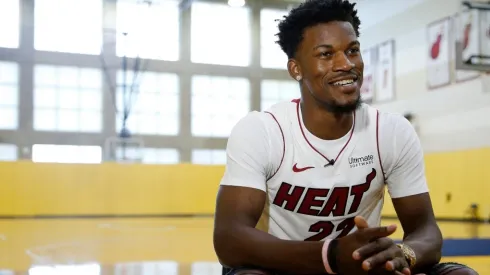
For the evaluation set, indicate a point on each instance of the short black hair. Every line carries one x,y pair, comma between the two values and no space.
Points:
309,14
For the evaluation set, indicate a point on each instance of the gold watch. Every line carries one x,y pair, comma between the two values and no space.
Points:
409,254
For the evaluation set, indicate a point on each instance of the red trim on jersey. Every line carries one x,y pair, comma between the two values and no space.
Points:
295,100
283,145
312,147
377,145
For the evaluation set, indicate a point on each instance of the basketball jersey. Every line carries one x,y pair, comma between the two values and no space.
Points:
310,197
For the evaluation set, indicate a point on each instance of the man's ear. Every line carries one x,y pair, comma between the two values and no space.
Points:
294,69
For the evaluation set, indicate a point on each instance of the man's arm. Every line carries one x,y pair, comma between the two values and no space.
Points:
238,243
411,200
421,232
241,199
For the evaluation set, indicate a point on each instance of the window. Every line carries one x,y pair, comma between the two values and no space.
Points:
217,104
160,267
78,269
9,91
160,156
274,91
220,34
271,55
66,153
206,268
153,103
149,155
9,23
68,26
147,268
67,99
150,32
8,152
206,156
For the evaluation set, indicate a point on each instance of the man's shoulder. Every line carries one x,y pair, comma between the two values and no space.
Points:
255,119
389,121
269,117
255,124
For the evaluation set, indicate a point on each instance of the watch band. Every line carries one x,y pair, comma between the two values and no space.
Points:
409,254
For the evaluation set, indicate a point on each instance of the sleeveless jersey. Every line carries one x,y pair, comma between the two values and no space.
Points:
310,198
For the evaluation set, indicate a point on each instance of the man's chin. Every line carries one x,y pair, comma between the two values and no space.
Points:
348,107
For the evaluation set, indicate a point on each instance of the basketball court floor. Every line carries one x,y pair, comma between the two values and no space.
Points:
159,246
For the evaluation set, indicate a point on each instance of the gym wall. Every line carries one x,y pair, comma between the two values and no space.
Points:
456,180
449,118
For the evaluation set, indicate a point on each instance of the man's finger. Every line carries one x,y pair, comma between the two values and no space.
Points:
360,222
372,248
370,234
398,264
380,259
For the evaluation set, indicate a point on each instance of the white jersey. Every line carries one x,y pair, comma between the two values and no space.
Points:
316,187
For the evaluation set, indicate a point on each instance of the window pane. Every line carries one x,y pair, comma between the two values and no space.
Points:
205,156
167,124
91,78
76,269
160,156
8,118
271,55
69,98
9,23
217,104
9,93
160,267
45,120
45,75
151,32
8,152
213,41
90,100
66,153
66,28
128,153
68,120
9,73
154,107
147,268
206,268
274,91
90,121
45,98
64,96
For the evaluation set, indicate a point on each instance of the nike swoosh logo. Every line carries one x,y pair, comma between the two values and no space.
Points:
297,170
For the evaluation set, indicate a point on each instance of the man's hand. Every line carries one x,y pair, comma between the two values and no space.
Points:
346,264
380,254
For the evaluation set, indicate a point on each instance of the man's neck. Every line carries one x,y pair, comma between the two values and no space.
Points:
325,124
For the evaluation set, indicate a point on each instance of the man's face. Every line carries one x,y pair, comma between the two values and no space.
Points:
331,66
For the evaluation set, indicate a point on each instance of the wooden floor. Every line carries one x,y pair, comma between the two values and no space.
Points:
140,246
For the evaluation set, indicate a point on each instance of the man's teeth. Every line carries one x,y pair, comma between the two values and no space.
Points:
343,82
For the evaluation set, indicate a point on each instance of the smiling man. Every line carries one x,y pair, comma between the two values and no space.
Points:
304,182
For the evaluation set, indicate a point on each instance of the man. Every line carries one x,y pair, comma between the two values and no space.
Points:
304,182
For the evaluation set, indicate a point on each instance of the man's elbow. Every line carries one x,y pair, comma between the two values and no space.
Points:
437,237
439,240
225,248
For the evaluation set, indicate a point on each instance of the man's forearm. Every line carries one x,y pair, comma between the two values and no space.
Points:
251,247
426,243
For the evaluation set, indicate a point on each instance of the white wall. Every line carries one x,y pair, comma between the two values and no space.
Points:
454,117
